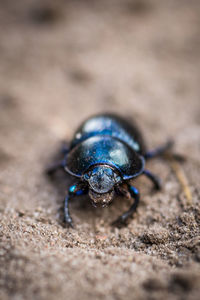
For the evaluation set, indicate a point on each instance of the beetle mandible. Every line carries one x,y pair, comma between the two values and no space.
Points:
105,153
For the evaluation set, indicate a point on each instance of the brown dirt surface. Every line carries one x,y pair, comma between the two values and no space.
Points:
60,62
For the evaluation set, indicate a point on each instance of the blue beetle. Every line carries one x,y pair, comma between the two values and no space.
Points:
105,154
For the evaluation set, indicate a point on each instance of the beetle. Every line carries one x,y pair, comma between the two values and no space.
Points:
106,153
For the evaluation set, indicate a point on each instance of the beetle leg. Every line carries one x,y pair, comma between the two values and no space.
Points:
134,193
65,148
74,190
156,181
122,190
159,151
54,167
59,164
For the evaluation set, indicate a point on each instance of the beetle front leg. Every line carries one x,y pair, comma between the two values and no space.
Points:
74,190
156,181
134,193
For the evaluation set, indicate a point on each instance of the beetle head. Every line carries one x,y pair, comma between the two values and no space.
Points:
101,179
102,200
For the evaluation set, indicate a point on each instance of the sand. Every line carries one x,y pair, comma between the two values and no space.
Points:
61,62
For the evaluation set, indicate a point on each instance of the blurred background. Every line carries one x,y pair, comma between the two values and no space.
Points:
60,62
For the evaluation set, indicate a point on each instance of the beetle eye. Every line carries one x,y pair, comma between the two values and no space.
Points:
86,176
102,179
117,178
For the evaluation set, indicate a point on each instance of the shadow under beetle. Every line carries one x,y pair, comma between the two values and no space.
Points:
105,153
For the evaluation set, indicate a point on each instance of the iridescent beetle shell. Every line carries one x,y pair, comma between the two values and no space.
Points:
106,140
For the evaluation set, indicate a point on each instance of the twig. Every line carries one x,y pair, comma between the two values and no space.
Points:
180,176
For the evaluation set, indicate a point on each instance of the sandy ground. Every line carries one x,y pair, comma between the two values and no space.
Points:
59,63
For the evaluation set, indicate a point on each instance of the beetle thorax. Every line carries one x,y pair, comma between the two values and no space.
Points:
101,178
